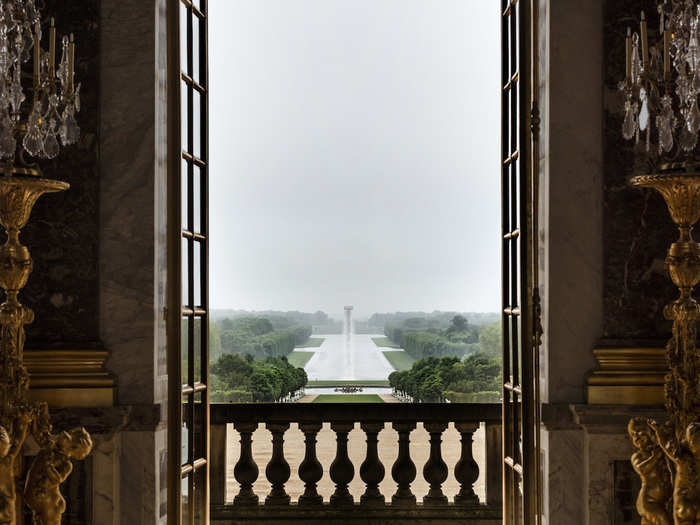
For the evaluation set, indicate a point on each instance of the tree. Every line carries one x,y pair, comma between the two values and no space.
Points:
491,339
459,324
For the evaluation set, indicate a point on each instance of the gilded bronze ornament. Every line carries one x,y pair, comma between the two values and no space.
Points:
678,439
19,416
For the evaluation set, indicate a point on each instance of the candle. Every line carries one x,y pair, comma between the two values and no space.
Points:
52,51
71,63
645,42
37,54
628,47
667,55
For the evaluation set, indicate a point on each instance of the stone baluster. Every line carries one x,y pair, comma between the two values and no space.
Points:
372,470
435,469
218,438
494,463
466,469
277,470
246,470
404,470
341,469
310,470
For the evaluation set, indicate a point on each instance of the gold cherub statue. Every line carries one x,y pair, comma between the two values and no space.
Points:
650,463
685,456
9,450
51,468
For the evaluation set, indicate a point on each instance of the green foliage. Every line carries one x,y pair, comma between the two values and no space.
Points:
267,380
430,379
438,337
491,339
312,342
259,337
341,382
474,397
399,359
384,342
299,359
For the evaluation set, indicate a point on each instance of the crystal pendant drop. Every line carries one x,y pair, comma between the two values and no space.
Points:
644,112
665,134
630,124
51,146
694,118
69,130
636,61
32,141
687,140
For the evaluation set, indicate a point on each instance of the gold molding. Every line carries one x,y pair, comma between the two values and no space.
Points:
627,376
70,378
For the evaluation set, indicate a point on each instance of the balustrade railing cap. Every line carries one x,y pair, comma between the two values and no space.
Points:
355,412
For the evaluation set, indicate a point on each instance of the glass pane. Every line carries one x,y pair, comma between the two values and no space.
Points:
197,123
185,432
183,37
186,509
185,194
196,24
197,274
200,487
197,351
199,4
197,198
200,434
184,116
184,349
185,258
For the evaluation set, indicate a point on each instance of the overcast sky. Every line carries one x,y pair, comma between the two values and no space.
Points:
354,155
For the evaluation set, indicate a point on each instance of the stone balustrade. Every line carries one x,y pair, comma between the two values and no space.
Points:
372,506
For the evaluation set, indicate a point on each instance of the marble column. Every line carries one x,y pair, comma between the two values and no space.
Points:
132,253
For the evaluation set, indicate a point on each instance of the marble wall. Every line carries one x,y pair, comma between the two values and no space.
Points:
63,233
132,251
637,228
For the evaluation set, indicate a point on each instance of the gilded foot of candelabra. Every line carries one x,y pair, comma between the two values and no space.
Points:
18,415
667,456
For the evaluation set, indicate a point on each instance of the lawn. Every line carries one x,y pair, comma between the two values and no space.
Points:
299,359
400,360
312,342
385,342
348,398
341,382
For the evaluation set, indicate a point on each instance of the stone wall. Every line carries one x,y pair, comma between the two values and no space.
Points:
63,233
637,227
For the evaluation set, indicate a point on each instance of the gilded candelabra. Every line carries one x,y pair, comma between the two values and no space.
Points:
661,90
32,129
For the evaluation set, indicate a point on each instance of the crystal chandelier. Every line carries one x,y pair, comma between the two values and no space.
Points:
37,108
662,84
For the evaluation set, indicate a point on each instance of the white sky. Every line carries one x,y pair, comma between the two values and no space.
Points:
354,149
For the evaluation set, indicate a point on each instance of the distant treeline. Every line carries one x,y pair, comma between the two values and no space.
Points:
260,337
476,379
424,337
238,379
293,316
442,319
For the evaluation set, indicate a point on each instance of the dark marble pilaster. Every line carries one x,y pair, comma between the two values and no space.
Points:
637,227
64,229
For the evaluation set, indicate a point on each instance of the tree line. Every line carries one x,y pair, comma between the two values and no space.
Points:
241,379
423,337
259,337
434,380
